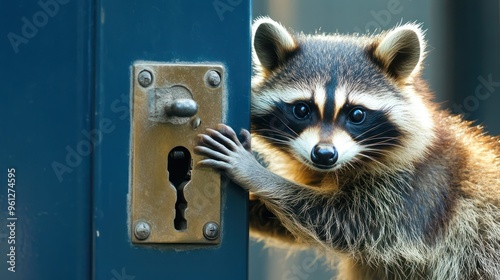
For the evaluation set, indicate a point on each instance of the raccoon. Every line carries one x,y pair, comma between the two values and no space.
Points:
361,164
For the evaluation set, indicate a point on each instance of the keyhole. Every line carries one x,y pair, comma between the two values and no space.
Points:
179,174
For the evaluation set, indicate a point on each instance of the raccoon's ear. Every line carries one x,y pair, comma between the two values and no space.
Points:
271,44
401,51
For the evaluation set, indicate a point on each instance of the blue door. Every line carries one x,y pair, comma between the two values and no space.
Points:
65,153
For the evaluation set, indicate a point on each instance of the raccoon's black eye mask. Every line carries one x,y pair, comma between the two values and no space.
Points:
369,127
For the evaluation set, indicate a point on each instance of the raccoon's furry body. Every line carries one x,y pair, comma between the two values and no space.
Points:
364,167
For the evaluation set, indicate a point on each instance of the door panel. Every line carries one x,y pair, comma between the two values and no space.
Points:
164,31
45,113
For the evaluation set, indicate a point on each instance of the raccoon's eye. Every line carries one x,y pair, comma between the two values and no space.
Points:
357,115
301,110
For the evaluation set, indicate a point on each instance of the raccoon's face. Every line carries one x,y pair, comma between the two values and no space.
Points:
335,101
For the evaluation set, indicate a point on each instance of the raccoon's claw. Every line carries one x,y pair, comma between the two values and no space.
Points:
245,135
225,152
229,132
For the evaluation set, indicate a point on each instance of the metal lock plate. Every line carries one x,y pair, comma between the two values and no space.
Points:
171,201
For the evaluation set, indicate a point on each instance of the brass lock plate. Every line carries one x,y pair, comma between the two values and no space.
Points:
171,201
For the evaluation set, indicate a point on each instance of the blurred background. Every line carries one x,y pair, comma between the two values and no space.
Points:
462,69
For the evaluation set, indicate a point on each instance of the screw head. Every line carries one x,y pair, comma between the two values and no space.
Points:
211,230
142,230
195,123
145,78
213,78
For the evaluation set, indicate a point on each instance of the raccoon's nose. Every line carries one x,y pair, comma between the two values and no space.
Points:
324,155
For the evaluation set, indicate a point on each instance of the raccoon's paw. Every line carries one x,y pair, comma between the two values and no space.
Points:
226,153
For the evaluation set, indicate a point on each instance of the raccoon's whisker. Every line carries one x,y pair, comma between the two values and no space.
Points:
280,119
385,143
375,151
286,125
389,142
283,122
302,168
277,131
275,140
282,139
355,163
351,164
274,130
377,136
371,129
373,159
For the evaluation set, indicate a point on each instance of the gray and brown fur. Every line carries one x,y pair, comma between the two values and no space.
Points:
415,191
